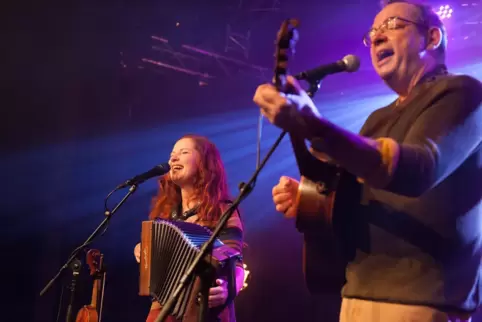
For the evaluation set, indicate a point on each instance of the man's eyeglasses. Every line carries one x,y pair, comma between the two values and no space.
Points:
391,23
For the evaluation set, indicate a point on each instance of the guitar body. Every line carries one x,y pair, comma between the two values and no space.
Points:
88,313
314,204
324,216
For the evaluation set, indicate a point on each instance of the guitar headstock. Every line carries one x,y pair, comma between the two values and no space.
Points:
94,260
286,40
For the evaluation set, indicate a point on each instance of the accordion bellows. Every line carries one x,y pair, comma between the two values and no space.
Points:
168,248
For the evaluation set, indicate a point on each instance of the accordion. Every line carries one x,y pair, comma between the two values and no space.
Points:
168,248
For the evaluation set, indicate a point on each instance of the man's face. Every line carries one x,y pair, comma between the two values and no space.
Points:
396,44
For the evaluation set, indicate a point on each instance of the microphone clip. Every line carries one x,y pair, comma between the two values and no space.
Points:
314,86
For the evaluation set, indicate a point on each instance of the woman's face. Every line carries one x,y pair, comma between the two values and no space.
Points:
184,162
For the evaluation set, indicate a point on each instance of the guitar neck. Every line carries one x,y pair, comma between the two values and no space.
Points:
95,291
302,155
309,165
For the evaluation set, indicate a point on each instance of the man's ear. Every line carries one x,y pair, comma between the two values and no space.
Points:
434,38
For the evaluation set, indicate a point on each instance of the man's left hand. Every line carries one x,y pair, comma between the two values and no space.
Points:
218,294
282,109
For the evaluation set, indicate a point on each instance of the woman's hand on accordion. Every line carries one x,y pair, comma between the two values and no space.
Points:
218,294
137,252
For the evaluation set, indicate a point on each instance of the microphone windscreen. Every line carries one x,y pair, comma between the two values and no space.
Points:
352,63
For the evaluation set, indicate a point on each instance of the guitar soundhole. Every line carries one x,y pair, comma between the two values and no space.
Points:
321,188
329,186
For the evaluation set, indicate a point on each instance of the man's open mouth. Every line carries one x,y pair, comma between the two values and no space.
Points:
385,53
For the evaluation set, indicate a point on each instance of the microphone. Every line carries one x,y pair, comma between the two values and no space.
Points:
158,170
349,63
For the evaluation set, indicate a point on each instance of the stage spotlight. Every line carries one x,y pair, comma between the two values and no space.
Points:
445,12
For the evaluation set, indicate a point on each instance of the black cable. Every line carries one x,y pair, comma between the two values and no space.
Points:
60,304
259,135
259,132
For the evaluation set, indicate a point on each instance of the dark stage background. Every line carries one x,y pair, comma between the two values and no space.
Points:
82,112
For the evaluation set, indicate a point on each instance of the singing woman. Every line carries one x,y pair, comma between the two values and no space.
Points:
195,190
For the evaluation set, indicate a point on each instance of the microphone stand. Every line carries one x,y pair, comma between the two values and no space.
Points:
75,267
73,259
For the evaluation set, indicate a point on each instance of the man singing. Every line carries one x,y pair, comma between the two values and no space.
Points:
417,246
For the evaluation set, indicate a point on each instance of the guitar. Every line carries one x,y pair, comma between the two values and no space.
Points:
325,194
89,313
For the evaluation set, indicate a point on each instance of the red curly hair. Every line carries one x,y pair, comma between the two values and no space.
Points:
210,186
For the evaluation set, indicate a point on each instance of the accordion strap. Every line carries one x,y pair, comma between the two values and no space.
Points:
231,268
231,280
206,279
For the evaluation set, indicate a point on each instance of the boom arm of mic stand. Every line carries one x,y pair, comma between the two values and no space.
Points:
245,190
104,223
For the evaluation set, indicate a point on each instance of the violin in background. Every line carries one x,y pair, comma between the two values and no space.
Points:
90,313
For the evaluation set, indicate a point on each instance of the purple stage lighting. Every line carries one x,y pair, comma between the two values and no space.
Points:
445,12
